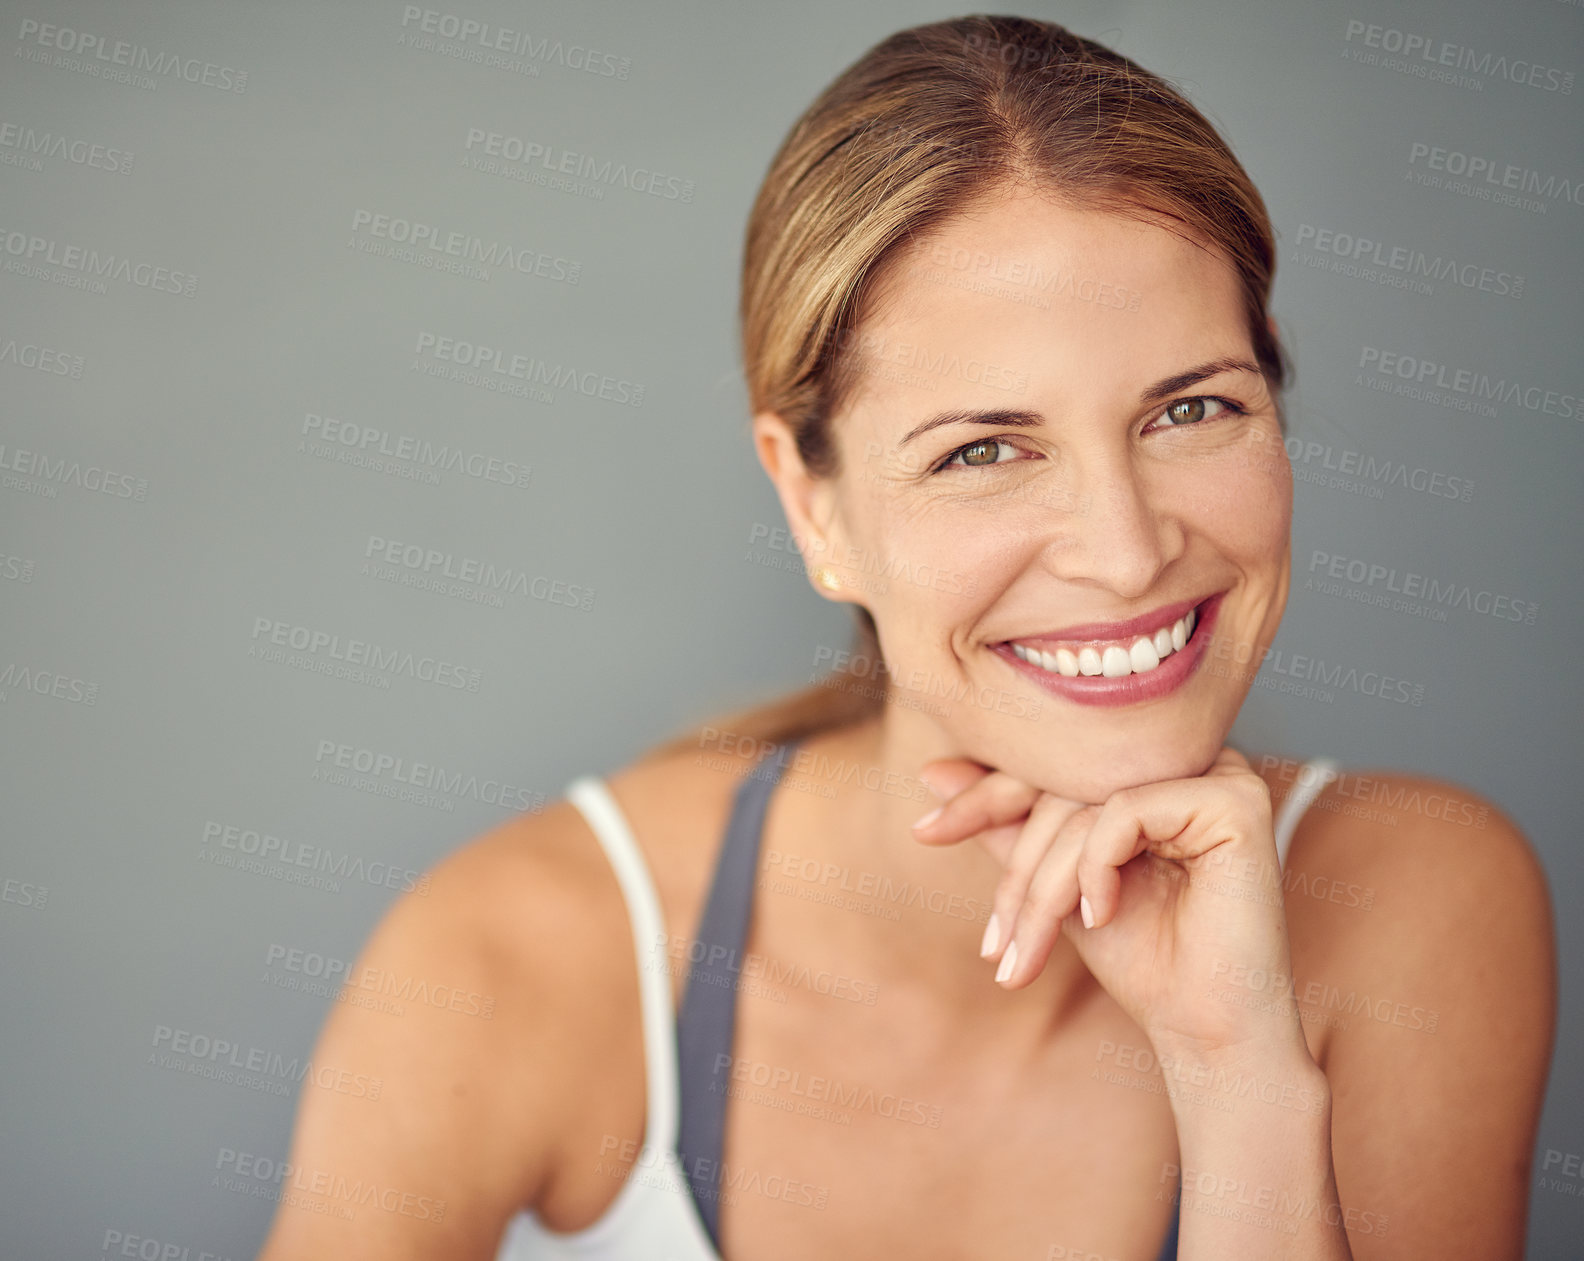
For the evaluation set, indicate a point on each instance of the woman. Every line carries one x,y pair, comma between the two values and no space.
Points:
1015,384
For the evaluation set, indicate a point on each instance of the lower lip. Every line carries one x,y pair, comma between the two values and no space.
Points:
1163,680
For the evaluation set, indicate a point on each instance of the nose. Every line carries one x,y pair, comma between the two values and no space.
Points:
1120,536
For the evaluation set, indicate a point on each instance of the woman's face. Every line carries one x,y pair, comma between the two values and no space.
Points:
1059,426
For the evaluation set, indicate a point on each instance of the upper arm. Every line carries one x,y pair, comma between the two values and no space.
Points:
1441,1002
452,1006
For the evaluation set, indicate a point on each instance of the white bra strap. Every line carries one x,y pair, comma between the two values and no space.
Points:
590,795
1313,776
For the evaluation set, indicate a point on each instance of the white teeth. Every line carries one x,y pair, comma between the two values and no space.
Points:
1114,661
1142,656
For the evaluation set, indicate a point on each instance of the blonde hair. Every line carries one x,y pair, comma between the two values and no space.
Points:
925,123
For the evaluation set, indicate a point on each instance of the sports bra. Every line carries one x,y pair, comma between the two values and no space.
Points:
667,1208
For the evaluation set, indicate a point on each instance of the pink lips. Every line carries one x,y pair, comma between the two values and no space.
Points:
1144,624
1130,689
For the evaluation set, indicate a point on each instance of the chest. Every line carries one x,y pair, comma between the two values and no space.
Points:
855,1144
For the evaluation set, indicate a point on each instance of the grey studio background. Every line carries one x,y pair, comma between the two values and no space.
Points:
214,482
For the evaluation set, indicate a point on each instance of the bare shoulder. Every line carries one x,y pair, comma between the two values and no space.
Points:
513,966
1432,871
1425,969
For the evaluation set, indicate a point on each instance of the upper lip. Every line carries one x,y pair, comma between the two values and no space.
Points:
1144,623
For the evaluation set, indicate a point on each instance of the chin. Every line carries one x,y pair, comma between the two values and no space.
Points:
1091,778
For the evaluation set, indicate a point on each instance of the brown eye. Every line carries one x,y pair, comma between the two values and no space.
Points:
981,454
1190,411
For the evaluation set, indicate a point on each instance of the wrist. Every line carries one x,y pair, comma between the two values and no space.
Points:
1246,1081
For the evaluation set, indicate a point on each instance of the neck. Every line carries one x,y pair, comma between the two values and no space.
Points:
930,903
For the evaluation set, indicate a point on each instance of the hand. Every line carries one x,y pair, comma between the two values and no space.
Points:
1167,891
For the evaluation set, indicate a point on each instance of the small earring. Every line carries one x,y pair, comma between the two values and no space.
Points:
827,578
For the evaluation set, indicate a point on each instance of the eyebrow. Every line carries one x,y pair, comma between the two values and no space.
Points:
1157,393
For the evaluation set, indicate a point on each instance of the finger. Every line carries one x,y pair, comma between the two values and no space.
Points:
1180,819
948,776
995,800
1045,821
1000,840
1229,762
1052,895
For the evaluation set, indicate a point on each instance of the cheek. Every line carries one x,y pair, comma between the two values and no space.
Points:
943,562
1248,512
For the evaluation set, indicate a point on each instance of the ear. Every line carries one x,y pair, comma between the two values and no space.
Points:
1270,323
808,501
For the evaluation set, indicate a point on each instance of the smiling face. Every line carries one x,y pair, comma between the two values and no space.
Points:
1062,494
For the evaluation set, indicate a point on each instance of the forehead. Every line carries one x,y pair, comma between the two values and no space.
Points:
1040,288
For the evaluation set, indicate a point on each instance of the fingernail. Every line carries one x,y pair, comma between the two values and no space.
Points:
992,937
1087,911
928,818
1008,962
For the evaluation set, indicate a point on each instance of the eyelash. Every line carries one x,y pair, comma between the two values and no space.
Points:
1231,408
